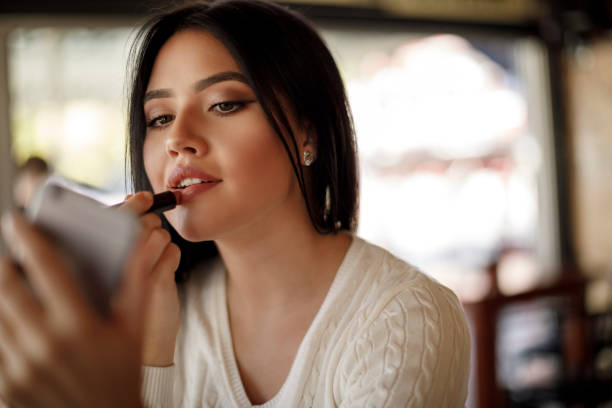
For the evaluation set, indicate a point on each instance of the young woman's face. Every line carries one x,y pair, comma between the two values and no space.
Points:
208,137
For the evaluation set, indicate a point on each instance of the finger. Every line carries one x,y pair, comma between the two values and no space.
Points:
21,339
150,221
21,313
43,265
3,385
138,203
17,304
20,387
155,241
7,336
7,344
6,328
167,265
162,277
135,287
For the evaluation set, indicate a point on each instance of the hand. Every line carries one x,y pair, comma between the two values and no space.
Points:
162,312
55,350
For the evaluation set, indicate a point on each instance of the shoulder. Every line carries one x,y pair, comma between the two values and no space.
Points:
389,282
411,341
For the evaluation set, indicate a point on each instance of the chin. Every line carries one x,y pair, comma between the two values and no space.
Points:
186,228
192,235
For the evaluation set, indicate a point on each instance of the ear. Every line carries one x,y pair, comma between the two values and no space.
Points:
308,137
308,144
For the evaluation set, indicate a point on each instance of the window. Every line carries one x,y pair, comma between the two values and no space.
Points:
452,134
451,153
67,102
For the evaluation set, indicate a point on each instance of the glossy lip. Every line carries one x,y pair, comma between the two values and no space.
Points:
178,174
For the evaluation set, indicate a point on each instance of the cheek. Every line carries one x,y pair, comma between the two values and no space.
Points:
263,164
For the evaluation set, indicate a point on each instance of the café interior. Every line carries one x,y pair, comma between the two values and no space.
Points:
484,130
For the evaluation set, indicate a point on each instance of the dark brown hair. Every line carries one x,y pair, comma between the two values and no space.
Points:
289,68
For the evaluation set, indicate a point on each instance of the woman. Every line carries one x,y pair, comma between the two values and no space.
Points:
239,106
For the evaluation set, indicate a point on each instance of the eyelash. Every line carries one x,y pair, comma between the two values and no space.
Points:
153,122
236,106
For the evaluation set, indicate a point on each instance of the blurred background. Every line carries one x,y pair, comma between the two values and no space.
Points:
485,137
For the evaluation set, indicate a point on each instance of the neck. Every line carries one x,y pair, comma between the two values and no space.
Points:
288,264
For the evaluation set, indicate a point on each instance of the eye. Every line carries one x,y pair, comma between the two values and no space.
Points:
159,121
225,108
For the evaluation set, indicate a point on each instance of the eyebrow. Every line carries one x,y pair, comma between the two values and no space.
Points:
199,85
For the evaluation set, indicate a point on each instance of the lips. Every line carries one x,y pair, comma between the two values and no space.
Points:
181,174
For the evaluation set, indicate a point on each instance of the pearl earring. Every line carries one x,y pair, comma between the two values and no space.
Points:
308,158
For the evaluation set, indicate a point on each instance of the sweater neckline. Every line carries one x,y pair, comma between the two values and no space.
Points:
230,366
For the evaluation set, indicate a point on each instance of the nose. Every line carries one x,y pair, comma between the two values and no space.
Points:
182,139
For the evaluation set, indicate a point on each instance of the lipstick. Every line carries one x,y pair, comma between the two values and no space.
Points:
161,202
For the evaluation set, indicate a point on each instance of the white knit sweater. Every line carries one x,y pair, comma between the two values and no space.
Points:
386,335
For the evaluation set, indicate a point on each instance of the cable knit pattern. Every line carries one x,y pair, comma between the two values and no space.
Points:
431,338
386,335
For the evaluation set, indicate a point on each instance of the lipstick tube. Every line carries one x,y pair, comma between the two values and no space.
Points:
161,202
